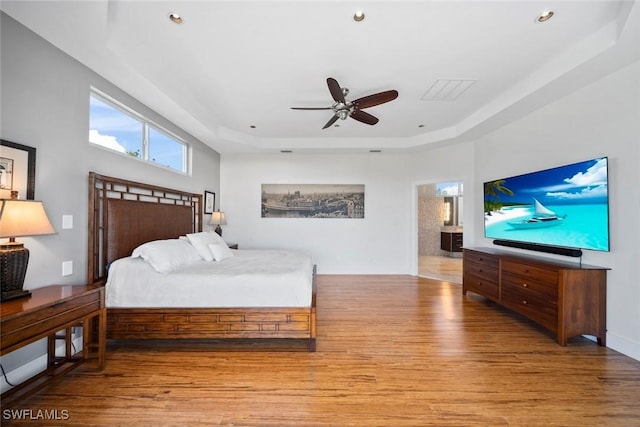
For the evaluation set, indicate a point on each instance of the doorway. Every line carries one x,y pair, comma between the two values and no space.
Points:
440,228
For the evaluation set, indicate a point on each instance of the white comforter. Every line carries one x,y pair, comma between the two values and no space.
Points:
251,278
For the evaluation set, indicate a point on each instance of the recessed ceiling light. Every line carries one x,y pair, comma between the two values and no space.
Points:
358,16
175,18
544,16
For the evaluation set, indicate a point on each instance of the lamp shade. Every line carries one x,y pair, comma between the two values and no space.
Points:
18,218
23,218
218,218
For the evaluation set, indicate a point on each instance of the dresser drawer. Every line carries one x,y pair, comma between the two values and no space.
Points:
484,272
532,283
480,286
530,272
538,306
51,318
473,258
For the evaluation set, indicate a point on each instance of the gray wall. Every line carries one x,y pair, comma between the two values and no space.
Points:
45,104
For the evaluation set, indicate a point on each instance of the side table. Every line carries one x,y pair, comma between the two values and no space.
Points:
47,312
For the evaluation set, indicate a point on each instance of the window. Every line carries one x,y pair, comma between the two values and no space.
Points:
449,188
452,193
165,150
117,128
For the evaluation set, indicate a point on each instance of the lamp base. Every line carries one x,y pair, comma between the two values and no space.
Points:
14,258
6,296
219,230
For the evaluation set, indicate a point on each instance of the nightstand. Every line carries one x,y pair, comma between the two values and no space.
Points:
51,312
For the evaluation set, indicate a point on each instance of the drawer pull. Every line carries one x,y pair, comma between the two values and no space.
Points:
524,285
479,283
525,302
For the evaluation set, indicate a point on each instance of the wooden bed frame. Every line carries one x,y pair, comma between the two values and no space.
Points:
123,215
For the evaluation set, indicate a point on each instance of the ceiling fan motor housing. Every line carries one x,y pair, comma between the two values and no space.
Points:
342,110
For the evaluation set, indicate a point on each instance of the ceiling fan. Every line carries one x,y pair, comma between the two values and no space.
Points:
343,108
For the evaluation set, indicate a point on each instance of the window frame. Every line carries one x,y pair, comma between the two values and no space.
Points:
147,125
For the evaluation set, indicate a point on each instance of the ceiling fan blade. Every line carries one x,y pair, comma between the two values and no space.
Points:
364,117
310,108
375,99
331,121
336,90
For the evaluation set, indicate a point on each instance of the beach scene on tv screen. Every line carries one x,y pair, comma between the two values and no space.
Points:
565,206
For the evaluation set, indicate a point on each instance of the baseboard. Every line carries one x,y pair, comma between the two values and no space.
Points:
624,345
29,369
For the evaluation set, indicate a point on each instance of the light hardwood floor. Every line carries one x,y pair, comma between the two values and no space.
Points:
391,351
440,268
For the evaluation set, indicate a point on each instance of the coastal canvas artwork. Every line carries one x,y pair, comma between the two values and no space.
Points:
565,206
312,201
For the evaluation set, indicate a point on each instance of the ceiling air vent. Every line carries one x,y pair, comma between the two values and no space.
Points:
447,89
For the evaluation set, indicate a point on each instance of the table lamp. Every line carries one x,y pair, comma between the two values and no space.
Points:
18,218
218,219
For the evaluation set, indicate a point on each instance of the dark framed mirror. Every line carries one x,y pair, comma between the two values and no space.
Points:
17,170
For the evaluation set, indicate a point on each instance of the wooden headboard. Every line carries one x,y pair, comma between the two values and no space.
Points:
124,214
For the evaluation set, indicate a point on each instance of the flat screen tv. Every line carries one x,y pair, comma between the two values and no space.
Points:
563,207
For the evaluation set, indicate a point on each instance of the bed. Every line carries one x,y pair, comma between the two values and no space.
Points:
125,216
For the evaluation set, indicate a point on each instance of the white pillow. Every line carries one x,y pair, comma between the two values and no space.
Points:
220,251
201,242
166,255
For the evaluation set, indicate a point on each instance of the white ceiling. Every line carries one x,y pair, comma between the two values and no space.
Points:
236,64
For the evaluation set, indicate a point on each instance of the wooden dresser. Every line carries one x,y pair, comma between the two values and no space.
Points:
568,299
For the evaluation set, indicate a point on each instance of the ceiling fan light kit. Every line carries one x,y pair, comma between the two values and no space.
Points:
343,108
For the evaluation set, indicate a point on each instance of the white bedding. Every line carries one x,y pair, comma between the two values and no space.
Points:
250,278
